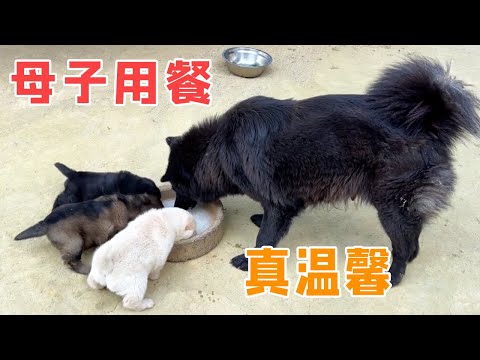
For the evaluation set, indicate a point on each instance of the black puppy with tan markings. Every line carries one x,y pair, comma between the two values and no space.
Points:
89,185
72,228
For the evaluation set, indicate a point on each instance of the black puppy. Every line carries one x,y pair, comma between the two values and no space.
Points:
87,185
391,148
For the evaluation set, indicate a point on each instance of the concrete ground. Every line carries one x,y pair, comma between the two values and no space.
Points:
443,279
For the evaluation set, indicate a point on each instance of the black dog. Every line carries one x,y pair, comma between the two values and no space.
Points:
87,185
391,148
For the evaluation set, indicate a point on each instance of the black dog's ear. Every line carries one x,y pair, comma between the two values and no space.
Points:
165,178
171,140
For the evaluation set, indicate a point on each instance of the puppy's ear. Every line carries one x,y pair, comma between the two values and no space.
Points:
172,140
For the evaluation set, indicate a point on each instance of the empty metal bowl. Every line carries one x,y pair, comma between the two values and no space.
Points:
246,61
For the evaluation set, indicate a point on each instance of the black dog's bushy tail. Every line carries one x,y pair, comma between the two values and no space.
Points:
36,230
420,96
65,170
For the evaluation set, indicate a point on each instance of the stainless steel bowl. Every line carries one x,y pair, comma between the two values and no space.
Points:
246,61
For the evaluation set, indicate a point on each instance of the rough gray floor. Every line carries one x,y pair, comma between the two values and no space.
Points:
442,280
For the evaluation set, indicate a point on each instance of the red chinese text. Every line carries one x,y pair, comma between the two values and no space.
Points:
85,79
187,81
32,79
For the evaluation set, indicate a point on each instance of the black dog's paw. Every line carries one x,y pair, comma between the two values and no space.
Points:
396,279
397,273
257,219
240,262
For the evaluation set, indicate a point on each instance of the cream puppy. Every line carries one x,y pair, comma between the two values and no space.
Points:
138,253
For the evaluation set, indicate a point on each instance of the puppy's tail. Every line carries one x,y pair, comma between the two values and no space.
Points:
420,96
65,170
36,230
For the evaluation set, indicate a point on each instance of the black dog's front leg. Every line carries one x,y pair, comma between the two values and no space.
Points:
274,225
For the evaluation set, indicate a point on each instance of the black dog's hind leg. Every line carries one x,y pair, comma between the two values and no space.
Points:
257,219
275,223
404,230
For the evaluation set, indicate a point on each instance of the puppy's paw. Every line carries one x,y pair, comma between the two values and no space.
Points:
154,275
240,262
133,303
147,304
257,219
80,268
93,283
